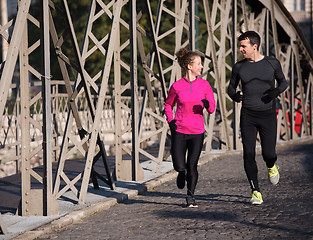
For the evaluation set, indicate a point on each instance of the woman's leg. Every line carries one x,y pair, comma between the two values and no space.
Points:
194,146
178,151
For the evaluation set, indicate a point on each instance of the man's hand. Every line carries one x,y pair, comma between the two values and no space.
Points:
237,97
270,95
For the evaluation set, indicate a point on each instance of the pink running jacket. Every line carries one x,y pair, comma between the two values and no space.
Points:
189,112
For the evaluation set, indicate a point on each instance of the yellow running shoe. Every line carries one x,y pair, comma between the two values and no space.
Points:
256,198
273,174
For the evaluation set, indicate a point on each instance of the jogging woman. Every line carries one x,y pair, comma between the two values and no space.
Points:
191,94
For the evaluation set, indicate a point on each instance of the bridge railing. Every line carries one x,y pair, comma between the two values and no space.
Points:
11,131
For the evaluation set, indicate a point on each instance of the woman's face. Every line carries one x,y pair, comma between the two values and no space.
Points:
195,67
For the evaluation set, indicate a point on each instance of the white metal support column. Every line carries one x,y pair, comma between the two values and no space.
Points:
137,172
8,69
49,202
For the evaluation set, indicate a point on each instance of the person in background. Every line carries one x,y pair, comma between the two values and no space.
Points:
191,94
257,74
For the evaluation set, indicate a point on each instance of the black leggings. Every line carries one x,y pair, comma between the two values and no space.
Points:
266,124
181,143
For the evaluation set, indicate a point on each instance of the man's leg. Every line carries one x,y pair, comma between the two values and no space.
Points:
249,135
268,135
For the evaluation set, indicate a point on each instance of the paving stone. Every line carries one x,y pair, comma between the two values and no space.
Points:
224,211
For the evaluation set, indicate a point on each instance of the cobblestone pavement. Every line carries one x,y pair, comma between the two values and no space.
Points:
224,212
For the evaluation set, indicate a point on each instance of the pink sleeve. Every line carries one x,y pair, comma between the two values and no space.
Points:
210,97
169,104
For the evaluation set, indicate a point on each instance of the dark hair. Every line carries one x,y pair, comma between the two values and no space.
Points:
185,57
252,36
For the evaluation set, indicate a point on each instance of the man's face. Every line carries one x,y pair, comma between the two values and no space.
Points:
247,50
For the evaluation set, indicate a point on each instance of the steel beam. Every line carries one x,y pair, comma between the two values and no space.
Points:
50,205
8,69
134,93
25,122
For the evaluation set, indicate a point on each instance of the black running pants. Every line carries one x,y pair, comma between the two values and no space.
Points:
192,145
251,123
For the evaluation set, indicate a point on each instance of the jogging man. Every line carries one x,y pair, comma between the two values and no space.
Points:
257,74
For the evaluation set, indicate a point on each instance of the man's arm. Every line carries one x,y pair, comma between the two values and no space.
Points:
279,75
280,78
233,84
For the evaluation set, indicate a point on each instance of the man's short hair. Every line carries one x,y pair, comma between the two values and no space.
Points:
252,36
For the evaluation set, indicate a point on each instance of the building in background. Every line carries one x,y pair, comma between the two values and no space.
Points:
301,11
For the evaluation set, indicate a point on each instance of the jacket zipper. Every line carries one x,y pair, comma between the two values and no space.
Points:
190,85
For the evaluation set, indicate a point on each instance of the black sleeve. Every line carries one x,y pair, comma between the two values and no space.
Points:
234,81
279,75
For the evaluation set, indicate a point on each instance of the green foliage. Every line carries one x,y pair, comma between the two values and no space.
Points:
79,14
101,29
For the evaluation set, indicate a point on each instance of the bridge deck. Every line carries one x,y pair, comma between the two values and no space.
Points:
294,159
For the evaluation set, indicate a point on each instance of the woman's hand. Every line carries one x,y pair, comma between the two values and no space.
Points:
173,125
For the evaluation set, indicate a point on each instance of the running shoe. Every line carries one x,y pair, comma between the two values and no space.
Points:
273,174
191,202
256,198
181,179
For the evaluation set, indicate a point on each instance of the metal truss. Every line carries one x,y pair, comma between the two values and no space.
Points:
19,48
89,138
135,46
